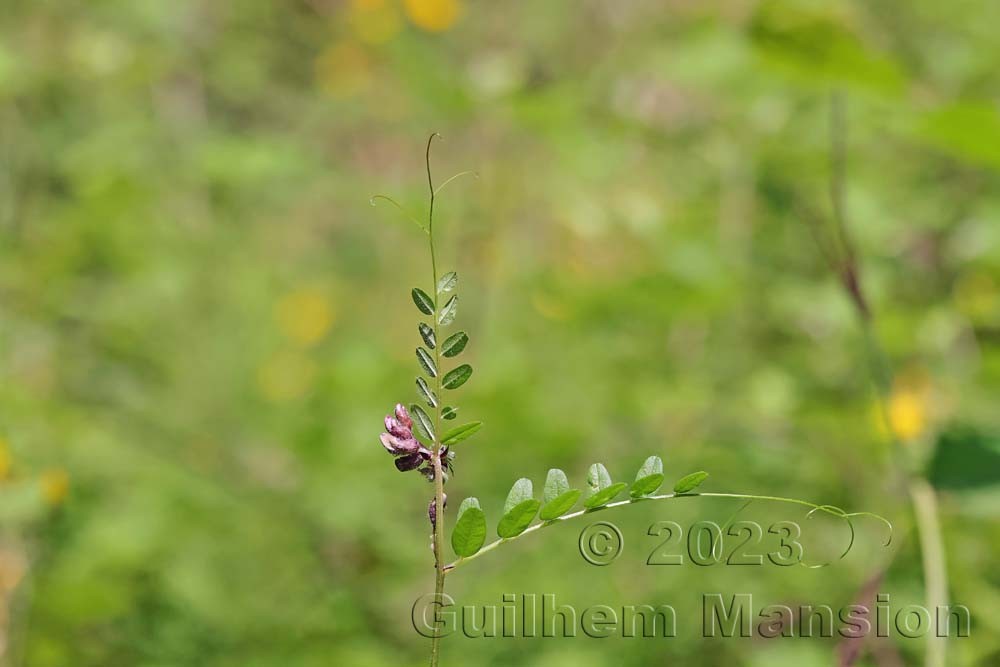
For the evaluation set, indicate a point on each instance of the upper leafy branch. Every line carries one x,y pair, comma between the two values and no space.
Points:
429,358
558,498
435,379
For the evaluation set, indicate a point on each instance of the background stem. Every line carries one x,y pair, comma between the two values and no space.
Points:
922,495
925,508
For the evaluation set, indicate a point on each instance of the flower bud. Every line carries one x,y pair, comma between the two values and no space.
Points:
389,441
432,510
402,416
397,429
409,462
398,445
398,440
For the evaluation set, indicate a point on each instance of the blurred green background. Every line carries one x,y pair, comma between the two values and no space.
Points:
203,321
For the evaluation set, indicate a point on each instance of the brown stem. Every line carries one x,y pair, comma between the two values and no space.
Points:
922,495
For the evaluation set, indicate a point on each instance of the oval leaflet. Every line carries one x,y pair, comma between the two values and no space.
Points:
456,377
690,482
469,533
422,301
454,344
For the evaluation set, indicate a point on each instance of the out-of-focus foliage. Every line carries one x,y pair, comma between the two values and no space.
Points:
202,320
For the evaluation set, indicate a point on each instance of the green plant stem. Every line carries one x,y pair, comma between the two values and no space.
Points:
438,538
925,509
633,501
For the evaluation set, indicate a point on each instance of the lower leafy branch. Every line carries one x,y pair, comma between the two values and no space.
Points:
520,509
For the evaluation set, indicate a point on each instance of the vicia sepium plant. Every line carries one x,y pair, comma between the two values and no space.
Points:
419,440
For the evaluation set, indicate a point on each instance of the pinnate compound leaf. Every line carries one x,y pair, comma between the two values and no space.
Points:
454,344
423,421
649,478
448,412
449,311
604,496
426,362
447,282
426,392
469,533
424,303
460,433
689,483
517,520
427,333
456,377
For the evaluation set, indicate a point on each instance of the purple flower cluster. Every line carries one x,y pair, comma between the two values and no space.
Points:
410,453
398,440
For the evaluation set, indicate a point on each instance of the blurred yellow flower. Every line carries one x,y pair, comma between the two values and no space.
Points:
433,15
305,315
374,21
907,413
286,376
908,407
343,69
55,486
5,460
